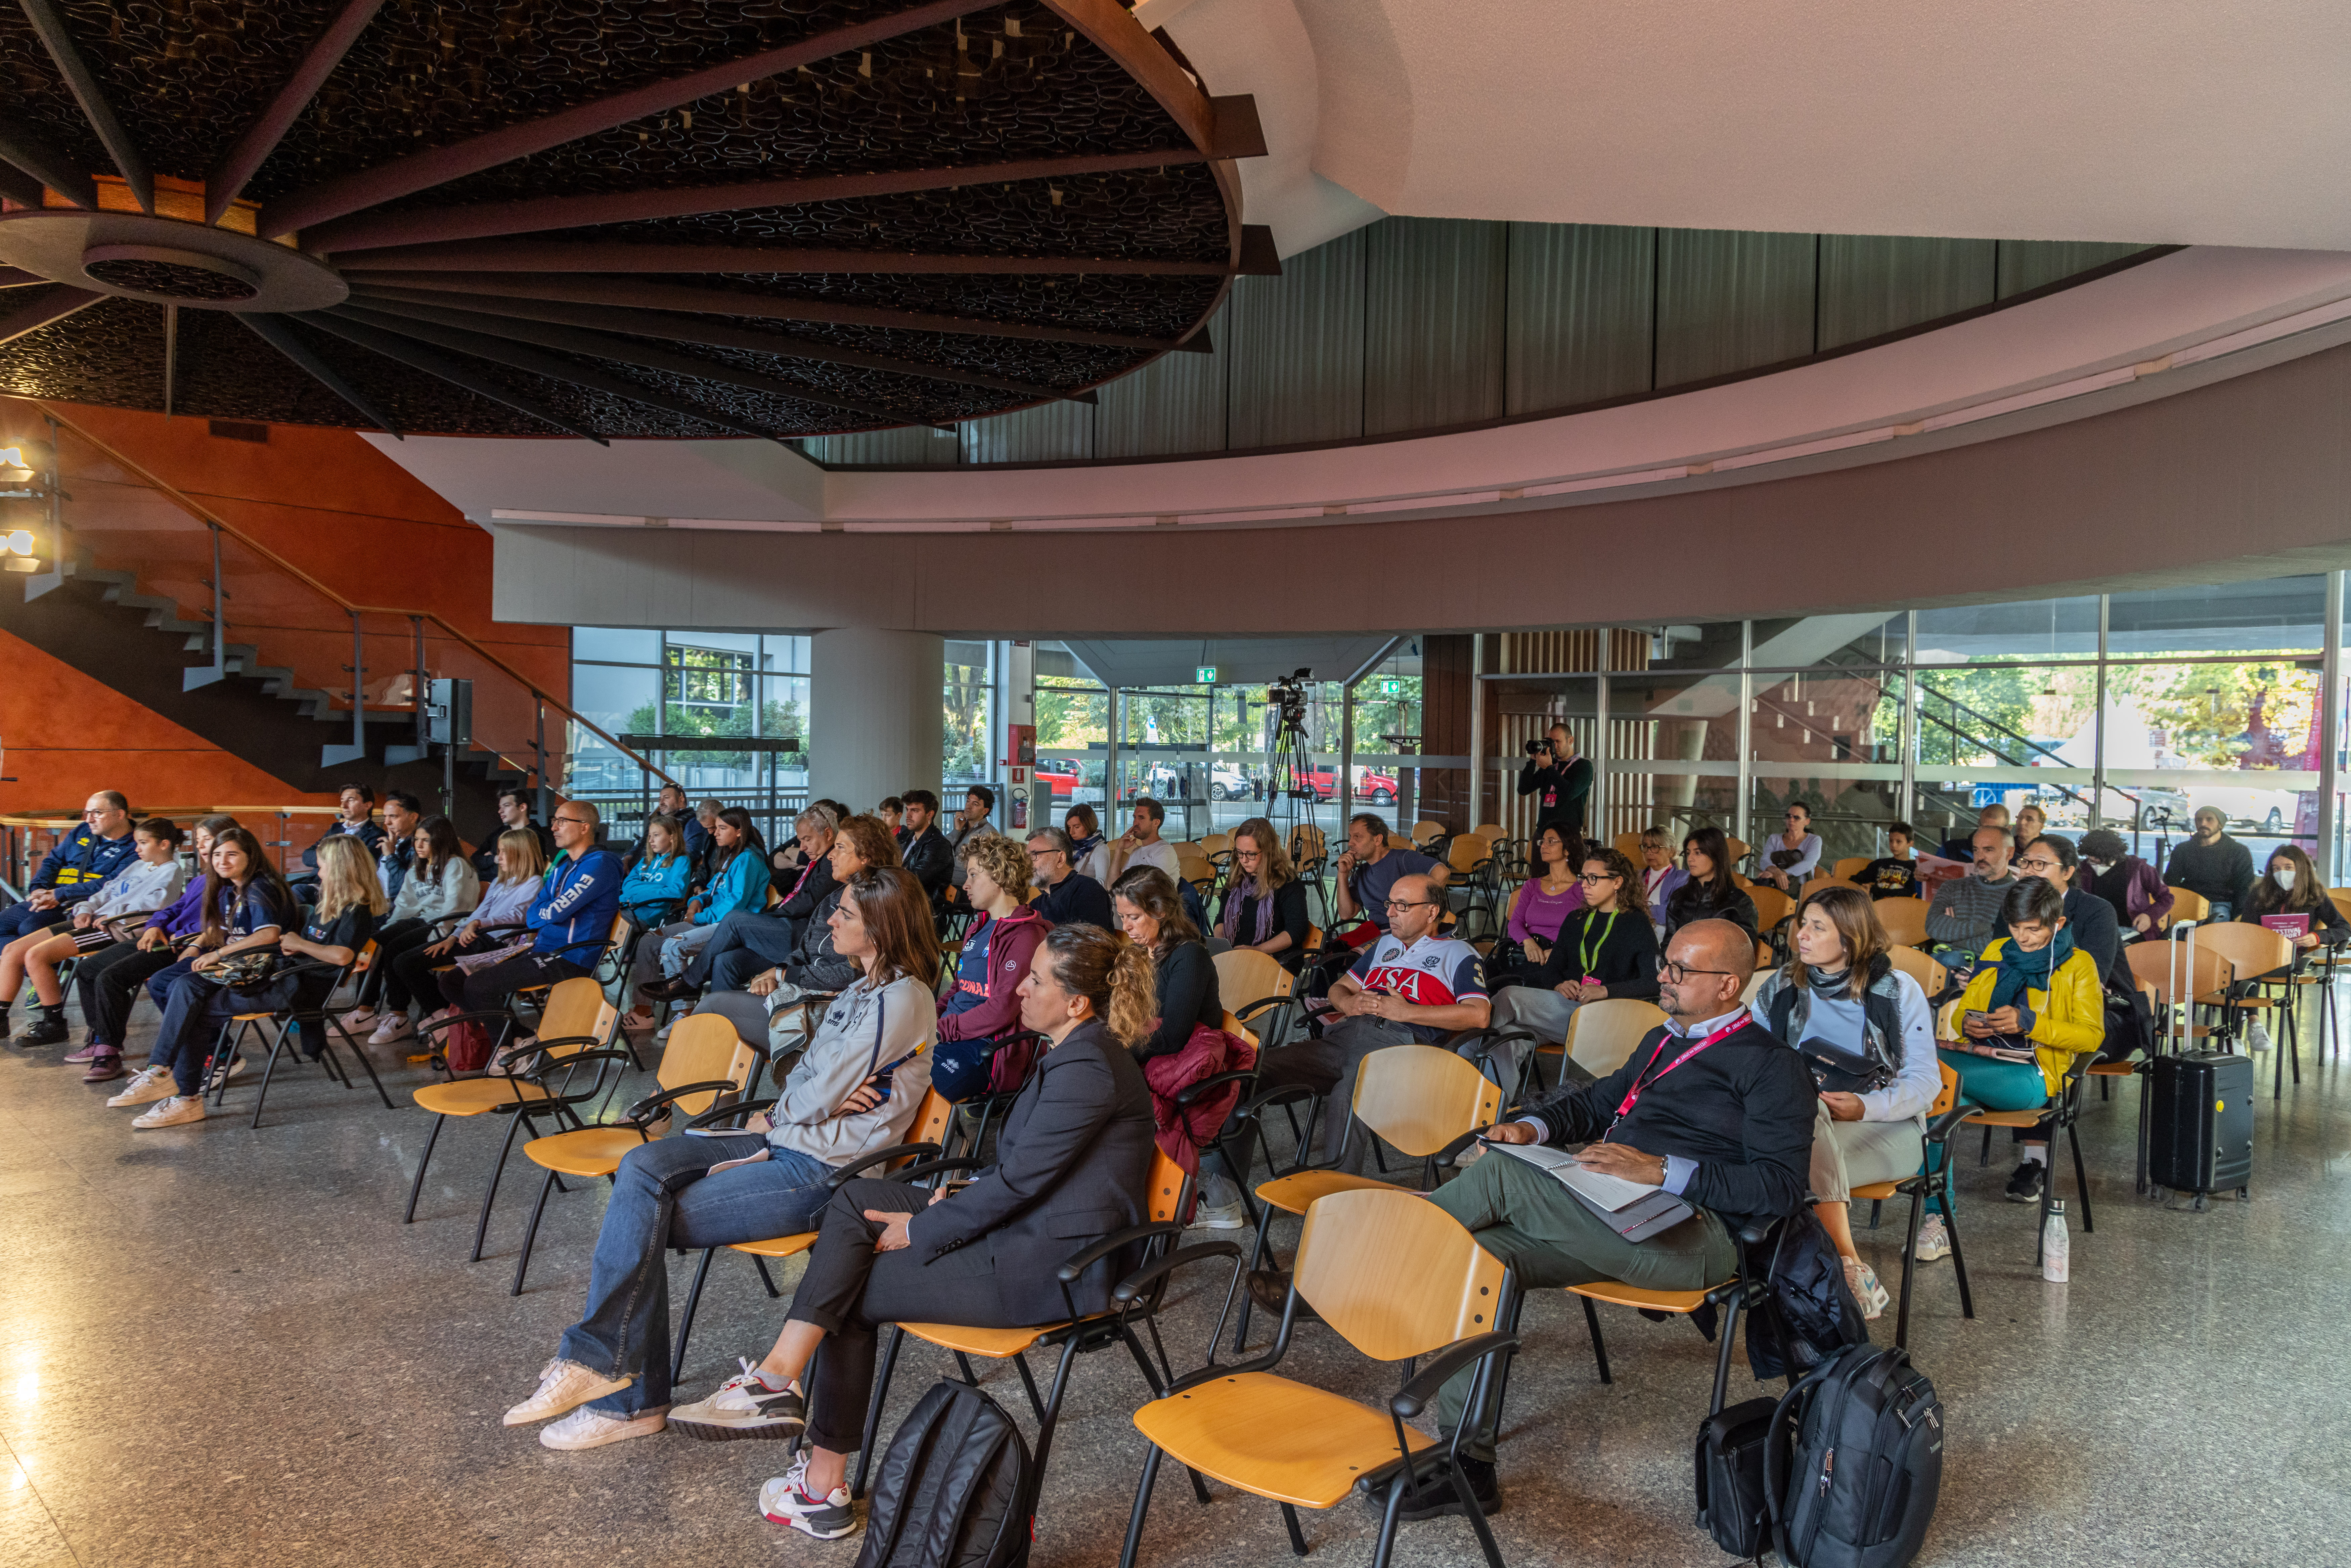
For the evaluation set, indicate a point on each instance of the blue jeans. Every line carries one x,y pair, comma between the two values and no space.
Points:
194,1008
22,919
664,1196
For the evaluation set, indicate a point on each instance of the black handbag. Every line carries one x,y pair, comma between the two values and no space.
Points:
1838,1072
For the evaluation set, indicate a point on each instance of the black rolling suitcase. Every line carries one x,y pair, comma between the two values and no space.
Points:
2200,1124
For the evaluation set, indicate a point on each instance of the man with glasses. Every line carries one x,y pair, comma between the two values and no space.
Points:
1411,986
1959,917
1369,868
1710,1105
1064,897
572,920
78,867
2089,919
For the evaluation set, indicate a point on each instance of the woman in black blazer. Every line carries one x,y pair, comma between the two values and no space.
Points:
1073,1166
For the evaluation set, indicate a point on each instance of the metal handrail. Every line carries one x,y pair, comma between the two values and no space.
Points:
204,515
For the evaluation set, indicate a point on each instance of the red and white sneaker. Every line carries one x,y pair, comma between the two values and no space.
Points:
828,1518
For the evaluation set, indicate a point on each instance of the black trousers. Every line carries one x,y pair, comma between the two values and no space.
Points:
412,978
392,943
849,1290
764,937
109,982
486,989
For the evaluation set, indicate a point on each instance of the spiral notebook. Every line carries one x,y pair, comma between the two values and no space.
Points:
1631,1210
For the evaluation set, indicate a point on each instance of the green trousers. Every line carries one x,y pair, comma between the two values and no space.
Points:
1550,1241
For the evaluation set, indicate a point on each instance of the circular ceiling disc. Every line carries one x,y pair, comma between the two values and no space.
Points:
167,261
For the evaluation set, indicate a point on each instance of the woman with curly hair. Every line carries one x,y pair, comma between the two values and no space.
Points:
982,1012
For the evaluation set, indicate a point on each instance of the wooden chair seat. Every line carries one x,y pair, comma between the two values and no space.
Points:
1292,1194
996,1344
2008,1118
475,1096
775,1246
251,1018
1619,1293
584,1151
2114,1068
1877,1191
1274,1437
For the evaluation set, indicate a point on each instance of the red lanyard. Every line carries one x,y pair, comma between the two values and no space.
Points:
1641,1084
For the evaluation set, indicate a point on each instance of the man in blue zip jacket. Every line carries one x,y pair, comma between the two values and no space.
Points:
573,919
77,868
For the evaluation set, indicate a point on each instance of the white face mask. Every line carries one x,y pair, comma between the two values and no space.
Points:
2285,875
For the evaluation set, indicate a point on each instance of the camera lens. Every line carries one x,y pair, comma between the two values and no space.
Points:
1537,748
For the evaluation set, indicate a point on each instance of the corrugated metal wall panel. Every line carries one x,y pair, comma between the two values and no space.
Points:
908,444
1433,291
1729,300
1872,286
2027,264
1296,344
1049,432
1579,314
1175,403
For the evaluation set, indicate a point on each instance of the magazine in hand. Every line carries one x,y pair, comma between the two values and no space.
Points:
1633,1211
2293,927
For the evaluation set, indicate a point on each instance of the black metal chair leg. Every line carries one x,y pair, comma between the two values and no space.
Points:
1722,1352
765,1277
490,1193
1036,1400
1297,1536
693,1299
873,1415
2081,1180
1599,1346
530,1234
1141,1505
1909,1266
1959,1258
1256,1261
423,1160
358,1048
1386,1542
268,1071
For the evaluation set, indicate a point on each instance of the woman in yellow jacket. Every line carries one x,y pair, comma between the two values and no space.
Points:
2034,984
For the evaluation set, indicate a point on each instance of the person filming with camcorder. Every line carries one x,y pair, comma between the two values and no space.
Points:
1560,781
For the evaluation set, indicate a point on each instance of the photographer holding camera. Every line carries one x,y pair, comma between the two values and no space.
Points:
1561,779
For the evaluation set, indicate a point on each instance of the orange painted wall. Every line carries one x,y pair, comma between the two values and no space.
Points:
323,499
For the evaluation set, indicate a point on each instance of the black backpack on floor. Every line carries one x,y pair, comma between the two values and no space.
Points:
1864,1466
1734,1504
953,1490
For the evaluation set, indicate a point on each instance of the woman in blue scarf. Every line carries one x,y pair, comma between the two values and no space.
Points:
2032,1005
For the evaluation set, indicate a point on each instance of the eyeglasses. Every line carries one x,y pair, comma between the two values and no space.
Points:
2036,864
1249,855
1411,903
1598,876
575,821
1679,972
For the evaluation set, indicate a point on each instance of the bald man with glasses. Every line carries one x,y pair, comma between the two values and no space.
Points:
1411,986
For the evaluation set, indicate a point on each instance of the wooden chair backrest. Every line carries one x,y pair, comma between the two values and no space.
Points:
703,1048
1422,1097
2158,964
1396,1275
1762,954
1905,920
1746,992
1949,1094
1932,977
1213,844
1422,832
1244,974
574,1007
1167,1179
1738,848
1189,846
1398,841
1233,1025
2187,905
1306,843
619,935
2341,898
364,959
1193,864
2250,949
1467,850
1314,938
1601,1036
1772,907
1848,868
1490,830
932,1118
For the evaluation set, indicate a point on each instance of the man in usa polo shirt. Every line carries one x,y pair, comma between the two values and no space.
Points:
1411,987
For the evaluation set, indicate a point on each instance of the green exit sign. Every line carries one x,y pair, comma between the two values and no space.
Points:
1206,674
1391,688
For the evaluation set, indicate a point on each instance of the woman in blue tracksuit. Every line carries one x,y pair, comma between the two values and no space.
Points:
738,880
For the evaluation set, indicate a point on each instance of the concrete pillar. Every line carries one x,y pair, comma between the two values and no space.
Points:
874,714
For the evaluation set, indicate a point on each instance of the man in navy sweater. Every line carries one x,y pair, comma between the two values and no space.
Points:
77,868
1712,1106
572,920
1063,896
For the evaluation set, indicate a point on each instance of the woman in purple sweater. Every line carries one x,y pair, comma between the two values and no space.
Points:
109,979
1545,899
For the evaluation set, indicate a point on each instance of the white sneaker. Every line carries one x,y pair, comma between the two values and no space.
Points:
2258,1038
1231,1216
393,1027
220,1075
585,1428
1934,1239
149,1086
171,1112
359,1017
563,1386
829,1518
1861,1280
742,1406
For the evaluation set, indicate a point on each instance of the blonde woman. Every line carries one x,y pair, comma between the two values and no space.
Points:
350,906
497,922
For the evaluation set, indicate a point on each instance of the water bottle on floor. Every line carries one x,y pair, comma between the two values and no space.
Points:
2056,1262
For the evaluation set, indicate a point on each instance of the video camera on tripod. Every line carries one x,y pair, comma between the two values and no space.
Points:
1287,766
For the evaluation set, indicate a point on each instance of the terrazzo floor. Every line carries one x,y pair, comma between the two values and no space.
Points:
220,1345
